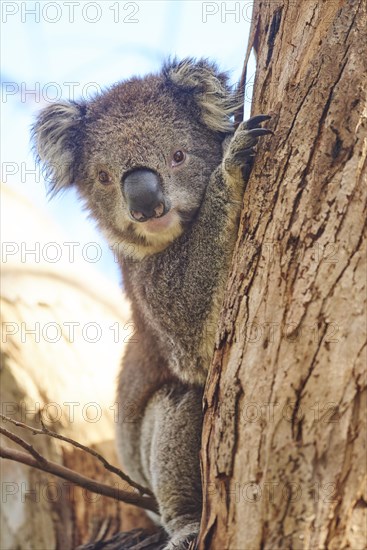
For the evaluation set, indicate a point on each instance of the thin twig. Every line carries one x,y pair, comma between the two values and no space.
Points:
106,464
23,444
148,502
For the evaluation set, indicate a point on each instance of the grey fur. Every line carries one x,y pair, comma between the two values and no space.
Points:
174,277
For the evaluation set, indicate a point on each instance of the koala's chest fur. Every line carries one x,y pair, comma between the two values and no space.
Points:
172,306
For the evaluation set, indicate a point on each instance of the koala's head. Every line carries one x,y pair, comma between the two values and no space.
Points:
141,154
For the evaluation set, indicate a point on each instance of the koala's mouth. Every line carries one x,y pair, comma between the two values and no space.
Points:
158,212
164,223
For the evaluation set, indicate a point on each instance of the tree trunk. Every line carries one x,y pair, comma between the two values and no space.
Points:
284,431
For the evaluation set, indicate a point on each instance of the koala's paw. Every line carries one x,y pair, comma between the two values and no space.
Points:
241,147
184,539
188,543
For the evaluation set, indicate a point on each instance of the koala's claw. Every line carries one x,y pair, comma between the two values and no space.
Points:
254,121
255,132
189,543
241,148
184,539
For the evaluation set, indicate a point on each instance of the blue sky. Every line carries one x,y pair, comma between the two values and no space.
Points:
70,49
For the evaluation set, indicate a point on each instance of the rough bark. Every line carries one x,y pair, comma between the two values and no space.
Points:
284,431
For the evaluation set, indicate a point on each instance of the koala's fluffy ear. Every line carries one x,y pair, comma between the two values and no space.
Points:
56,135
209,87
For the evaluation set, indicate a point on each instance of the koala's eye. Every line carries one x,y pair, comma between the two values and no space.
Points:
104,177
178,158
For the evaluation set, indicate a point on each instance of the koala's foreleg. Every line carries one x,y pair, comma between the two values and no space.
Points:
171,434
222,203
214,235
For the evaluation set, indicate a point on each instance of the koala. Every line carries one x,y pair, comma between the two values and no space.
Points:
158,163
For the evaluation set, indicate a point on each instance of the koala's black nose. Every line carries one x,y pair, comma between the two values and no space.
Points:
144,195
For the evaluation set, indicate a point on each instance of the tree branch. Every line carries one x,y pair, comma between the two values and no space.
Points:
32,451
45,465
106,464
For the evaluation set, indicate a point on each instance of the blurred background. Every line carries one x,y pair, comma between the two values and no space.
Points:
62,50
